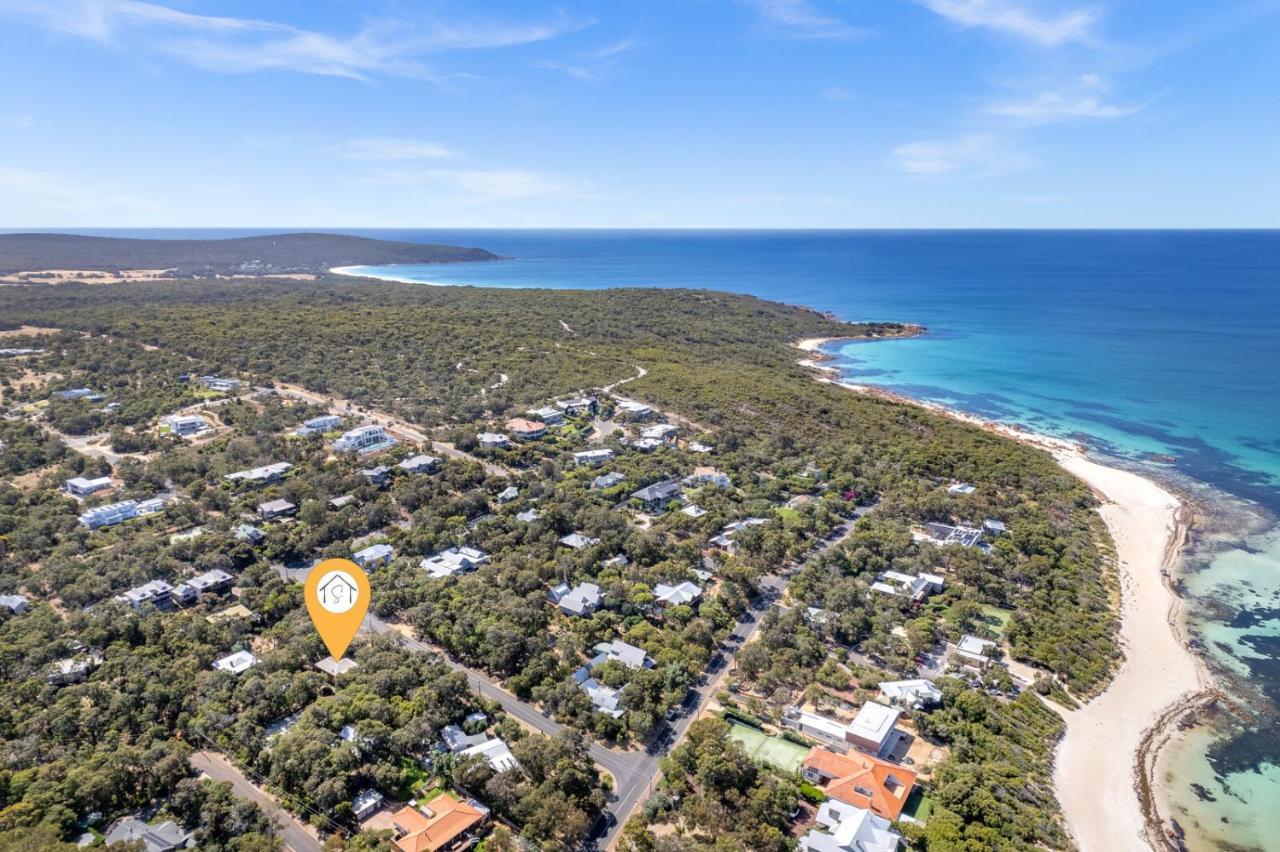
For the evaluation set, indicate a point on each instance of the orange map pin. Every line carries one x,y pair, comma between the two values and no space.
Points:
337,594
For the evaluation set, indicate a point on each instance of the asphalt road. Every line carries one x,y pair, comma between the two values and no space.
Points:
295,835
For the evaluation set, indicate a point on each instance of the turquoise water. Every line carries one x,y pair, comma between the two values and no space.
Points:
1158,347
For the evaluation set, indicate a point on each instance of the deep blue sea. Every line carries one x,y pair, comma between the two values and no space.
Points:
1157,347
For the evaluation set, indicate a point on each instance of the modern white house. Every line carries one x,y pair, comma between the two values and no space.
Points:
708,476
210,582
455,560
547,414
581,600
592,457
842,827
366,803
110,514
633,410
945,534
79,486
974,651
577,405
319,425
154,593
260,475
364,439
915,693
218,383
237,663
493,440
871,731
419,464
915,586
661,432
374,556
186,425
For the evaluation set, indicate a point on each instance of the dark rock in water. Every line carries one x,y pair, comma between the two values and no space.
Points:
1202,793
1160,458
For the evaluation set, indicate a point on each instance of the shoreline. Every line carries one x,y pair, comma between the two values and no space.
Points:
1160,684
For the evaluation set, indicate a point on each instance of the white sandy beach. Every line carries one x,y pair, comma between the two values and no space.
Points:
1096,771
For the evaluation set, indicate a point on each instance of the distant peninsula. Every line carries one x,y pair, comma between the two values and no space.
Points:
59,258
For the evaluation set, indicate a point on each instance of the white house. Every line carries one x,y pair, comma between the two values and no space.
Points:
682,593
973,650
605,699
16,604
849,829
111,514
873,728
320,424
629,655
217,383
607,480
547,414
577,541
508,494
79,486
915,693
634,410
184,425
237,663
707,476
364,439
197,587
273,509
374,556
259,475
597,456
577,405
960,489
366,803
660,432
915,586
455,560
419,464
495,752
493,440
581,600
155,592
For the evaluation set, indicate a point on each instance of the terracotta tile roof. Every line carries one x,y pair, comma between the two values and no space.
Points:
449,819
863,781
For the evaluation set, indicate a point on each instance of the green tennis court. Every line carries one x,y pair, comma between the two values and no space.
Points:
775,751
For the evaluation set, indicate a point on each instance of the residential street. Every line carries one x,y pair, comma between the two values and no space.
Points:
295,834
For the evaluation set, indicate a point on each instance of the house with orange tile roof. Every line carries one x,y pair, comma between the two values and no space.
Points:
860,780
526,429
443,823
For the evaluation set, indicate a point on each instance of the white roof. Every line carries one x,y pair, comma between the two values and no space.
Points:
236,663
829,728
974,646
453,561
684,593
874,722
916,689
578,540
496,752
851,830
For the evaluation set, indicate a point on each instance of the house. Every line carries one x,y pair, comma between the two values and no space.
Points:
874,729
629,655
16,604
618,561
605,699
73,669
217,383
493,440
992,527
319,425
577,541
333,667
655,497
184,425
110,515
682,594
495,752
915,586
161,837
366,803
607,480
237,663
583,599
455,560
526,430
377,476
153,593
915,693
79,486
699,447
444,823
945,534
150,507
849,829
693,510
577,405
860,780
339,502
419,464
457,740
590,457
249,533
207,583
660,432
273,509
528,516
79,393
975,651
646,445
508,494
374,556
260,475
632,410
961,489
369,438
548,414
707,476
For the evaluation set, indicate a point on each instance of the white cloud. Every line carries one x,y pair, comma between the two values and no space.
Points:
1012,18
972,155
1085,99
593,65
240,45
391,148
802,19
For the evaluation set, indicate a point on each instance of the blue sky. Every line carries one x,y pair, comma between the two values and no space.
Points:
640,113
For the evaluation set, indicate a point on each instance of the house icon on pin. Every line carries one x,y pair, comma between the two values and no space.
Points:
338,592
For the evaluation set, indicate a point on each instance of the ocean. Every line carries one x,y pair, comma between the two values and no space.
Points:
1159,349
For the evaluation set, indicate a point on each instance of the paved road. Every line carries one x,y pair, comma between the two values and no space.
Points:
295,835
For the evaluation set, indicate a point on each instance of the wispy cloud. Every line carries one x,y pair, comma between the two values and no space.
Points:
391,148
802,19
1020,20
592,66
484,184
1085,99
241,45
971,155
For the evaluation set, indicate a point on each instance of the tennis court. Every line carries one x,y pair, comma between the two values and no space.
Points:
775,751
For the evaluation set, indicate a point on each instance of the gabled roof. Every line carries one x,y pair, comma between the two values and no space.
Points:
863,781
447,819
